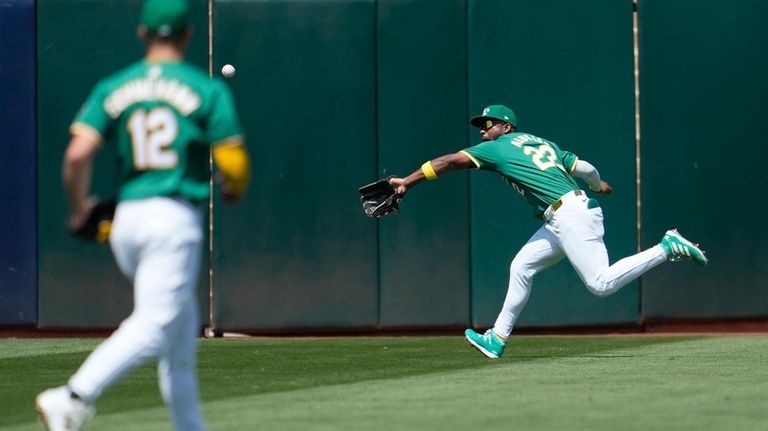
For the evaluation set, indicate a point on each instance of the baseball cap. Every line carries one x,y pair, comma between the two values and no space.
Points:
165,17
495,112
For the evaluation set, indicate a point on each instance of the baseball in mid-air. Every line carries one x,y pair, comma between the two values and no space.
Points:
228,71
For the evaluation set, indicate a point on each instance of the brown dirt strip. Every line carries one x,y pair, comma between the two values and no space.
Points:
755,327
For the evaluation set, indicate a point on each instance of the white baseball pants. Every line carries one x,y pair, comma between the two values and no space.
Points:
575,231
157,244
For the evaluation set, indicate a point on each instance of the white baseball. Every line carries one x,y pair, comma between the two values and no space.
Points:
228,71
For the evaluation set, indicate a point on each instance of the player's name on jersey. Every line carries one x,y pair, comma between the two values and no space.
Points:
522,139
170,91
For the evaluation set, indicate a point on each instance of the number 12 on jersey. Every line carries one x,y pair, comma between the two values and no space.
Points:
152,133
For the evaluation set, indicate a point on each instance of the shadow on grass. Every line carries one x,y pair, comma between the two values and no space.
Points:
238,367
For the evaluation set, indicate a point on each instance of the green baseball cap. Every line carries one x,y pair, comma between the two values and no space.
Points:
495,112
165,17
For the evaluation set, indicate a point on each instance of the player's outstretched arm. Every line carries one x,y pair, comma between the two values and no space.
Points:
431,169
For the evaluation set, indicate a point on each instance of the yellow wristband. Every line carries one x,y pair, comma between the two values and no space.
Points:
428,171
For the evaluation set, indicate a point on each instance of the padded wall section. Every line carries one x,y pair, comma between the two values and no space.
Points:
566,68
18,226
422,87
298,252
703,103
80,42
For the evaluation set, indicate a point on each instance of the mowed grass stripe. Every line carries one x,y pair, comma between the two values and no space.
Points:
23,348
439,383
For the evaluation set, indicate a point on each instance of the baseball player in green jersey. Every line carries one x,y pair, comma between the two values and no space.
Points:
163,115
572,221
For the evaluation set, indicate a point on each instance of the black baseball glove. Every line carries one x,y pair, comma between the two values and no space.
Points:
99,222
380,199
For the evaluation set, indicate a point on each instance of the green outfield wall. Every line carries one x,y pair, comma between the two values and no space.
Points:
421,103
297,253
703,100
334,94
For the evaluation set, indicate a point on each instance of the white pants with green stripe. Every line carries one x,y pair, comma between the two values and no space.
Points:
574,231
157,244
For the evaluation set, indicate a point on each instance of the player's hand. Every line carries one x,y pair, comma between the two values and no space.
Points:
78,214
76,221
228,196
398,184
605,188
228,193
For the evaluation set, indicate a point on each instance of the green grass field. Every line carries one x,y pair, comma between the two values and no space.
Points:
430,383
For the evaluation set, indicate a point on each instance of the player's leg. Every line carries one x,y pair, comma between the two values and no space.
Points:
540,252
132,345
579,231
177,373
137,340
178,362
171,266
152,228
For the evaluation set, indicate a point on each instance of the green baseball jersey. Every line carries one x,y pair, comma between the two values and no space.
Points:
163,117
536,168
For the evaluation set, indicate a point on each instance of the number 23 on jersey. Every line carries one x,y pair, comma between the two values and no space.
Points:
543,156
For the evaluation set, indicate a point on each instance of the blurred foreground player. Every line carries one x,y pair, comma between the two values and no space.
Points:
163,115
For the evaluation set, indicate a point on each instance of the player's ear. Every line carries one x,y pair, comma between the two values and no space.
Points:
186,37
141,32
183,41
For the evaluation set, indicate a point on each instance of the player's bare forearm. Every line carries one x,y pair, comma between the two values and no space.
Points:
77,171
77,183
439,166
402,185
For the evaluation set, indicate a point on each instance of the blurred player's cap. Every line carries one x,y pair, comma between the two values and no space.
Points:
165,17
495,112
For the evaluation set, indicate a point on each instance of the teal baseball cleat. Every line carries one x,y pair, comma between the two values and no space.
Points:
677,247
489,344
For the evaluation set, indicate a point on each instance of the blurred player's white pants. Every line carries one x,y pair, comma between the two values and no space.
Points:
575,231
157,244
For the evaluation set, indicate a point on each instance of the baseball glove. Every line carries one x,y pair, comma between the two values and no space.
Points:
99,222
379,199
